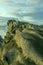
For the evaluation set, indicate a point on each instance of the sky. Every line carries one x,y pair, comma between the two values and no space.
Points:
23,10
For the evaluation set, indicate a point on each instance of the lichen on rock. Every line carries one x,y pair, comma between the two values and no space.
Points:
22,45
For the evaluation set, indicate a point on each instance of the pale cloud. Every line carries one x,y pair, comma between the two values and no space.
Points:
34,1
12,6
22,10
2,12
27,18
28,10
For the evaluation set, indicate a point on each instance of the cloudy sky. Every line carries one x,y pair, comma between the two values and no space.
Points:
24,10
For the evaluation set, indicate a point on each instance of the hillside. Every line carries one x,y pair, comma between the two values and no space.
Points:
22,45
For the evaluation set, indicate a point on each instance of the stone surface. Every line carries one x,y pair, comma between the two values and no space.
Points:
22,45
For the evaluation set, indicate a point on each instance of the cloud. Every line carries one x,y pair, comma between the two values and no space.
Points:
2,11
34,1
28,18
10,9
28,10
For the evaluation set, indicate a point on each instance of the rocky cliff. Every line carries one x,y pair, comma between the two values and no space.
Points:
1,40
22,45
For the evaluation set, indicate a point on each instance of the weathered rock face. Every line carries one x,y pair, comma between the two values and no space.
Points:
22,45
1,40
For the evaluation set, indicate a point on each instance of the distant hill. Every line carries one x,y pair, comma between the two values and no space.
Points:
22,45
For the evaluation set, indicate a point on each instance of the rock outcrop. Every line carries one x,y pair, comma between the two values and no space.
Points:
1,40
22,45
